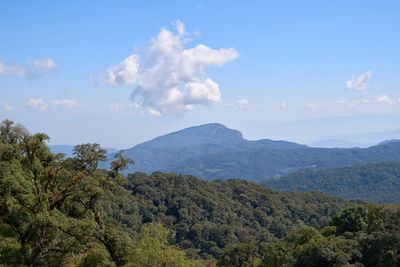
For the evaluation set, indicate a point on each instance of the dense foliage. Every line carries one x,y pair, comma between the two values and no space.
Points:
209,216
58,211
359,236
374,182
213,151
64,211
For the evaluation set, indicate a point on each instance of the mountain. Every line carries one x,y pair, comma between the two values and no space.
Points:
262,164
75,214
161,153
212,133
389,141
374,182
214,151
370,128
338,143
369,137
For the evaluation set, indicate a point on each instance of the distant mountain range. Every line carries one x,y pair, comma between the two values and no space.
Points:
356,140
361,128
213,151
374,182
338,143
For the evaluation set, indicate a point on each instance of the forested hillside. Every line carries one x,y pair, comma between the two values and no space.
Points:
213,151
209,216
359,236
162,153
374,182
58,211
263,164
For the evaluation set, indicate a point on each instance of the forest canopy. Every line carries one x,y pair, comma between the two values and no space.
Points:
373,182
59,211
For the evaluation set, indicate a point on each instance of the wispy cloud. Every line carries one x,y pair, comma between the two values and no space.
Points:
360,82
170,79
379,99
386,99
34,69
116,107
37,103
6,106
283,105
65,103
242,103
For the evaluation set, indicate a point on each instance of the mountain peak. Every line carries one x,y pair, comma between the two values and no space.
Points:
389,142
210,133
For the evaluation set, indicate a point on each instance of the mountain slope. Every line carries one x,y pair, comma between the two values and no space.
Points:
337,143
374,182
262,164
160,153
209,216
213,151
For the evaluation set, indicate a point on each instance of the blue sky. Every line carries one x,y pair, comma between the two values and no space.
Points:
64,67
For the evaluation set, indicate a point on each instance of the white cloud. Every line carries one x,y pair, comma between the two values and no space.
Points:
37,69
319,104
386,100
12,70
383,99
116,107
124,72
6,106
283,105
242,103
37,103
359,83
380,99
45,64
170,79
65,103
153,112
312,105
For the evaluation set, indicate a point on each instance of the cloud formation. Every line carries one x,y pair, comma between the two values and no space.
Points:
242,103
283,105
6,106
360,82
65,103
379,99
37,103
170,79
34,69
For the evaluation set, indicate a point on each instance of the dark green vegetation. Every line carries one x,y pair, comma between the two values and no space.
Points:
209,216
65,211
359,236
58,211
373,182
213,151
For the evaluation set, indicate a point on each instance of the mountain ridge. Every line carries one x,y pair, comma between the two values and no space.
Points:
374,182
213,151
